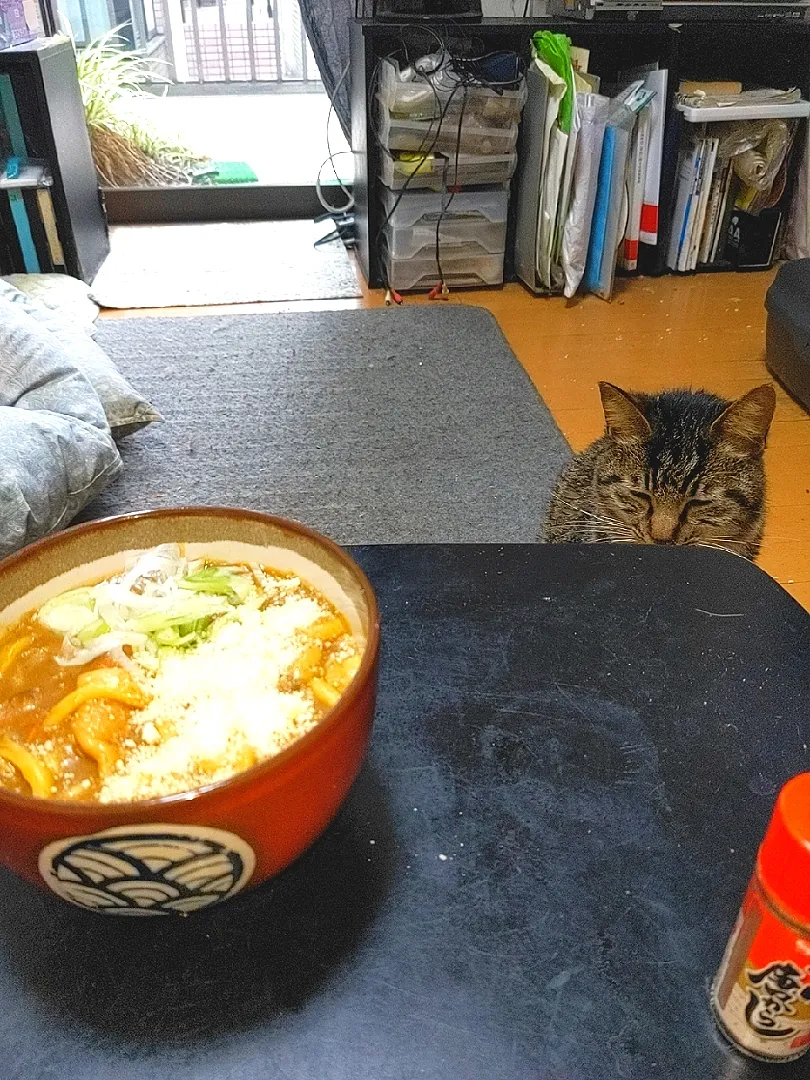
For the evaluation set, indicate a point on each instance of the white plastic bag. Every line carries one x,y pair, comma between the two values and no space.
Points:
593,110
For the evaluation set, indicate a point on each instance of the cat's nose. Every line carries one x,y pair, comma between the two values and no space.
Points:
663,525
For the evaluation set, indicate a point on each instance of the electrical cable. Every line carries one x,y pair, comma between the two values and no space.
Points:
461,73
330,159
408,179
443,290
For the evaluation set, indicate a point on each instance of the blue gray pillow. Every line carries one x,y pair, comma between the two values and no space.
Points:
126,410
56,447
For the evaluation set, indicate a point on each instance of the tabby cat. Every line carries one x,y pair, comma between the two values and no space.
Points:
681,467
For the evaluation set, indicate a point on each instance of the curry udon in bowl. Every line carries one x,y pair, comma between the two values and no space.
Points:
185,699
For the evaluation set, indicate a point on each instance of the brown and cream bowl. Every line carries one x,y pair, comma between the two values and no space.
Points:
182,852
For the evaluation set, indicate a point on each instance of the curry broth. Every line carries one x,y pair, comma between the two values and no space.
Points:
79,745
31,684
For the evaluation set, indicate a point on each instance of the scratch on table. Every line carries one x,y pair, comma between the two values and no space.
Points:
558,984
722,614
407,769
572,702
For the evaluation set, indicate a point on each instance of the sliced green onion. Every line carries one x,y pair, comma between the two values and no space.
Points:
220,581
92,631
183,611
68,613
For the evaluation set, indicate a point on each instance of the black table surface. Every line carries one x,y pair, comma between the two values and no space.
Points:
576,753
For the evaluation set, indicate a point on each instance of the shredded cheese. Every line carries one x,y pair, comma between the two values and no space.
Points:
220,706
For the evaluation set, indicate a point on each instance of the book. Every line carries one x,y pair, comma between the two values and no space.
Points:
22,225
648,226
684,183
601,208
592,110
638,171
707,175
530,178
37,227
691,206
16,202
10,254
624,124
11,115
46,211
713,210
752,237
726,208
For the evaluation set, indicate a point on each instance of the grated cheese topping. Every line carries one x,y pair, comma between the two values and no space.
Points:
220,707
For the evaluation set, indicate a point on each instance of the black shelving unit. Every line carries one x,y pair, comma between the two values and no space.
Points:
43,76
773,53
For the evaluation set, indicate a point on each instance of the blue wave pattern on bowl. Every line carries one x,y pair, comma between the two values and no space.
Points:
153,869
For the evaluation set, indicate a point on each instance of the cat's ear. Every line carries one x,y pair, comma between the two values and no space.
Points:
743,427
624,421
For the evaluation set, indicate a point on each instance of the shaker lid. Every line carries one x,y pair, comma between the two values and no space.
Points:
784,857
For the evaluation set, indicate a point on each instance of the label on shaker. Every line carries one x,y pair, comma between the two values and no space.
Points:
761,995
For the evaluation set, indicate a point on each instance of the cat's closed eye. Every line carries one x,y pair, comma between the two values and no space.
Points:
633,499
697,511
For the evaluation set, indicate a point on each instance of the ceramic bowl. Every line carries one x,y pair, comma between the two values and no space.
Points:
182,853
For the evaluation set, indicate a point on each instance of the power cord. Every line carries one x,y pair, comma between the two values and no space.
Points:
442,289
330,159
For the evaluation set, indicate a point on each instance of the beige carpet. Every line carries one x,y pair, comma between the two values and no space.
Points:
240,262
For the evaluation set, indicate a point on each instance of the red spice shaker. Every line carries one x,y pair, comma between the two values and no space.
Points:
761,994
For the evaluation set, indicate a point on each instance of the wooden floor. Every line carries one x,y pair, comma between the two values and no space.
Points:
704,331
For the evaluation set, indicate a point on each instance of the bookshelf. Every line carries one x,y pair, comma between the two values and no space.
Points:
775,53
42,76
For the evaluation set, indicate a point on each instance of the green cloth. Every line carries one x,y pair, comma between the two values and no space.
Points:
233,172
226,172
555,50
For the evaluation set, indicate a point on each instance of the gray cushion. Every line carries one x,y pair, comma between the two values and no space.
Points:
56,449
65,295
125,408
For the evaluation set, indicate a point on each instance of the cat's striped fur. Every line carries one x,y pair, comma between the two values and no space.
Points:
680,467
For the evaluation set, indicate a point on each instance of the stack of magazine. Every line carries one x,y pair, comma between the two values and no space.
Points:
701,207
732,177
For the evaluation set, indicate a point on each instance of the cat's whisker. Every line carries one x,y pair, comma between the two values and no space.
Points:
595,525
718,547
724,540
591,514
612,535
726,543
613,529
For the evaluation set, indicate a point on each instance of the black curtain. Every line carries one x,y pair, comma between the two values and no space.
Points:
327,26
